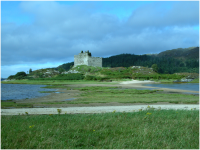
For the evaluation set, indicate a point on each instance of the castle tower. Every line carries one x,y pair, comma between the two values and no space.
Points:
85,58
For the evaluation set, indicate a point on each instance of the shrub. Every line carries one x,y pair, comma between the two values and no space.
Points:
11,77
20,75
88,77
72,76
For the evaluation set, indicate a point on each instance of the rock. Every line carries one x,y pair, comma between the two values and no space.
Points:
184,80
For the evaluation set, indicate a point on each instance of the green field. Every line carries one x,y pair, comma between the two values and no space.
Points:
52,82
149,129
99,94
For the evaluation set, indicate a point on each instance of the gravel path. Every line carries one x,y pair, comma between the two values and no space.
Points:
99,109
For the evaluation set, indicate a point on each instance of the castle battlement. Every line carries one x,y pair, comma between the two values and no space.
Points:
85,58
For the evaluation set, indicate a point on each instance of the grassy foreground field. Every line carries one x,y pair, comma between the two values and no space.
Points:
149,129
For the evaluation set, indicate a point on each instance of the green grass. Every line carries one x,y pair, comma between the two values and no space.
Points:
172,80
195,81
115,94
149,129
50,82
165,80
16,105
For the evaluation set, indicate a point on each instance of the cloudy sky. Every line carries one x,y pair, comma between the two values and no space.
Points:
36,34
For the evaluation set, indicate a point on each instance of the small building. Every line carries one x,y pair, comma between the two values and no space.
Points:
85,58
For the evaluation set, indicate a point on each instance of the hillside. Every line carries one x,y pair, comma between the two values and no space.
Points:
167,62
170,61
187,53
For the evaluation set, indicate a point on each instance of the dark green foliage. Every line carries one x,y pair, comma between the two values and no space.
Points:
155,67
20,75
11,77
61,70
71,76
89,54
30,70
191,52
173,61
168,62
66,66
157,76
88,77
117,73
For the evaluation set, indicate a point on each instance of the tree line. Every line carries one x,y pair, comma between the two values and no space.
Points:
168,62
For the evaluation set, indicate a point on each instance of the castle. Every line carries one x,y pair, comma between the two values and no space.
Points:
85,58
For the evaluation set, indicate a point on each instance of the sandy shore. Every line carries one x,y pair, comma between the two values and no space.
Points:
136,82
140,84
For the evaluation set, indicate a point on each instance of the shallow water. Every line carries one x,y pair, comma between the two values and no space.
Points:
179,86
22,91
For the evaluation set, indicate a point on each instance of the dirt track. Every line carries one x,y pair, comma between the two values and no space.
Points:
99,109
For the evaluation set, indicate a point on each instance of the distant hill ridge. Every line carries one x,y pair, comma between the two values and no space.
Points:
169,61
191,52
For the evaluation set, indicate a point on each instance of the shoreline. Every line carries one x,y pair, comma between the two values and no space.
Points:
140,84
64,95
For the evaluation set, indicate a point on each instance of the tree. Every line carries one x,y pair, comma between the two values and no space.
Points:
11,77
61,70
155,67
20,75
30,70
71,66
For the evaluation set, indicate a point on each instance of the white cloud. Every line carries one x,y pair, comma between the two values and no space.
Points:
58,32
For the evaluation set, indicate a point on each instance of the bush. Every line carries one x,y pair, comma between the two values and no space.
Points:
88,77
72,76
20,75
11,77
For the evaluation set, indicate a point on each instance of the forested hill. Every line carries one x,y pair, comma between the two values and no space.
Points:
180,53
170,61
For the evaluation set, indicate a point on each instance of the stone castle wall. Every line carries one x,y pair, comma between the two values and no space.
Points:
85,59
81,59
95,61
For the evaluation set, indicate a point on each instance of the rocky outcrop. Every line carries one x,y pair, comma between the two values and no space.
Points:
184,80
70,71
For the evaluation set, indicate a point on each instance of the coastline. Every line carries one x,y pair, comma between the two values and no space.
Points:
63,94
